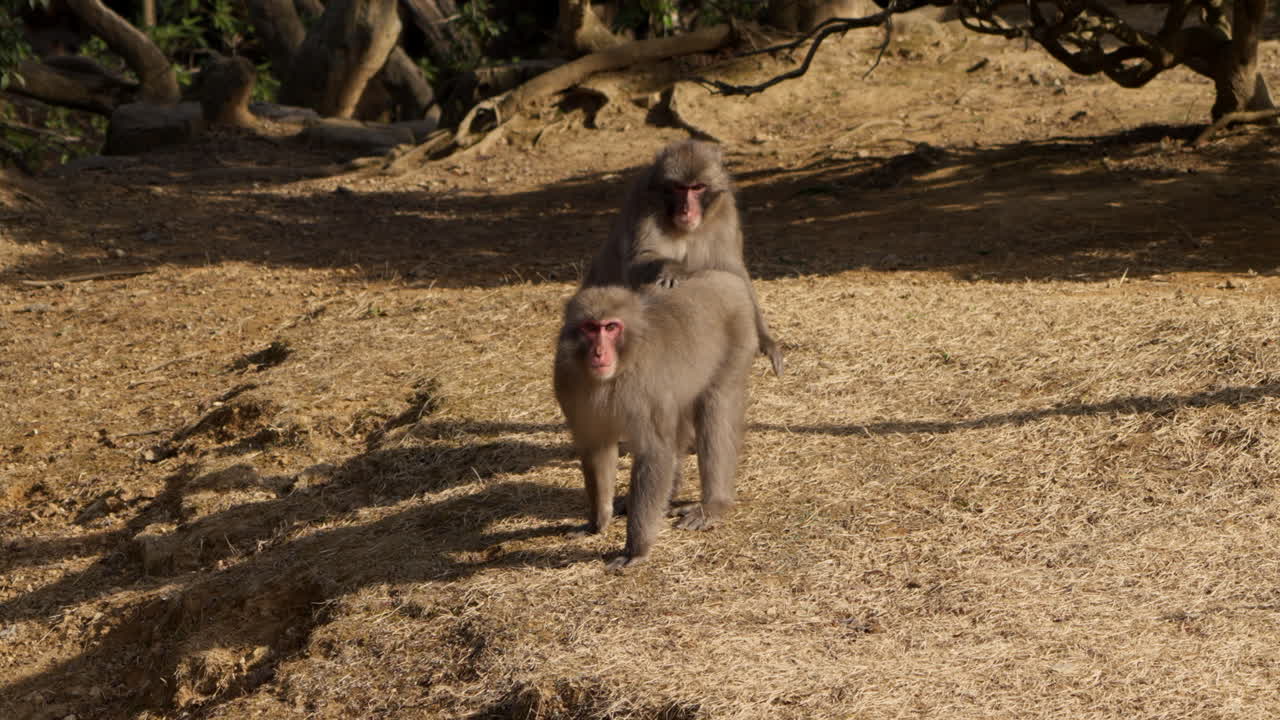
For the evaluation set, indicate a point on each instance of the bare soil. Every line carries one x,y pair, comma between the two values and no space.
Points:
286,448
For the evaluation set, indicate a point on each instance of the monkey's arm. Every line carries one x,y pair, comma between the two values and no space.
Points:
652,471
599,469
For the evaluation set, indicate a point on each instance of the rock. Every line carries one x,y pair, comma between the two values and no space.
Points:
138,127
159,551
421,128
283,113
355,136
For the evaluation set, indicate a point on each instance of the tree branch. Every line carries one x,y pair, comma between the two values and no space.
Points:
159,81
818,34
1240,116
74,82
570,74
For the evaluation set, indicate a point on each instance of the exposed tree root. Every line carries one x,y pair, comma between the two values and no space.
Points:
1242,116
486,118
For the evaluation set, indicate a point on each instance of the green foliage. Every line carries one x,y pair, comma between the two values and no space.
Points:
13,43
40,136
715,12
230,26
656,16
662,17
477,16
429,70
267,84
178,37
188,32
187,28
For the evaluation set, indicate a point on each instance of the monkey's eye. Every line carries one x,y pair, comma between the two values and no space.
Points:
612,327
697,188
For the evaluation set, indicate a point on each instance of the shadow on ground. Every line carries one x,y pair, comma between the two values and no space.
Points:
227,596
1132,203
224,598
1153,404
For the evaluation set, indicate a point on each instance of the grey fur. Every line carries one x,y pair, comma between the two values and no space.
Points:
645,248
684,358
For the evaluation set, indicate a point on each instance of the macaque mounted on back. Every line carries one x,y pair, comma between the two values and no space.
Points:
663,368
680,216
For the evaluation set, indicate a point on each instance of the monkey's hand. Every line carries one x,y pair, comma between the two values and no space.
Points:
670,275
770,349
696,516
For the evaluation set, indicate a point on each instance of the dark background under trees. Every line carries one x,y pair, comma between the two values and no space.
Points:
74,71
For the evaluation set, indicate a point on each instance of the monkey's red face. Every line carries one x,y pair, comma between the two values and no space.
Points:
686,205
602,347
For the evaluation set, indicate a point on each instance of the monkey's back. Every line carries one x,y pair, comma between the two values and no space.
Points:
700,329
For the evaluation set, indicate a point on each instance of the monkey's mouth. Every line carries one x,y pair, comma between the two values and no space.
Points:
602,369
686,223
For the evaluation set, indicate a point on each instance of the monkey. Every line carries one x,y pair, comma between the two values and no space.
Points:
667,369
680,216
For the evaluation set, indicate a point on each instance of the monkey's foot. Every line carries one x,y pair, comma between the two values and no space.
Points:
624,561
586,530
695,516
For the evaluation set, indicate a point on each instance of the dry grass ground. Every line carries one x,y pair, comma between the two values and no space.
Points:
1022,465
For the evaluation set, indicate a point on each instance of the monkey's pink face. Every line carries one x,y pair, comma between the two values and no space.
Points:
602,347
686,206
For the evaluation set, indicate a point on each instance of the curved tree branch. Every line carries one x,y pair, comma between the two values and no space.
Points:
75,82
156,74
820,32
570,74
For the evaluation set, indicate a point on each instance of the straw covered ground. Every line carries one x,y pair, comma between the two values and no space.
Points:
307,463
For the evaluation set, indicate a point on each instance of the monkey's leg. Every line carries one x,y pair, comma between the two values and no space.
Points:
686,442
720,417
600,471
651,475
685,439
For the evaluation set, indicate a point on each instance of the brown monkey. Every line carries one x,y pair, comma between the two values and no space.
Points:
679,217
664,368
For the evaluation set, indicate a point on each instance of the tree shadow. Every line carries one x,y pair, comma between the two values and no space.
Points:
1073,207
1231,397
256,577
163,538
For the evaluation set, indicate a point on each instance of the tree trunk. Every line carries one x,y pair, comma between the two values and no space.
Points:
226,86
411,94
580,31
404,86
1239,84
347,47
310,8
804,15
158,79
281,30
447,40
